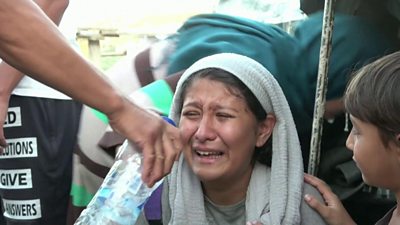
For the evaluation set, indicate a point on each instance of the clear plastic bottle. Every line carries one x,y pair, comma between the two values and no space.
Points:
122,195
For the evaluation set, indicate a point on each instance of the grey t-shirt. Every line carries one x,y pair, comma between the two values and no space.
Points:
308,215
235,214
225,215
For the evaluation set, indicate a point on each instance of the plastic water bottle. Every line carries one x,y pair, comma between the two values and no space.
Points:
122,195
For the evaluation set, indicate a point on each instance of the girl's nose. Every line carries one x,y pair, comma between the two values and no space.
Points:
205,130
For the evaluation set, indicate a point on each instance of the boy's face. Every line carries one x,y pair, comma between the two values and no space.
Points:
379,165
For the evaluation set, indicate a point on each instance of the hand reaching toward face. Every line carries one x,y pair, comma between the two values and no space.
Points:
159,141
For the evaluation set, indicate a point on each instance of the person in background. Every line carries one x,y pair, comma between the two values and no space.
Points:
41,127
32,49
374,139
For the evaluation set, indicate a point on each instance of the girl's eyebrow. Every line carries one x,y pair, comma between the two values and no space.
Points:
215,106
190,103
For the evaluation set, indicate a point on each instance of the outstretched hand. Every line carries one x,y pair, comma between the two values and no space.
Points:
332,210
159,141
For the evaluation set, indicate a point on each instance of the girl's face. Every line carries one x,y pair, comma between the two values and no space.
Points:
220,132
379,165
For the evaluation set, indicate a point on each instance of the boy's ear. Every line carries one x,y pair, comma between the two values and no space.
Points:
265,129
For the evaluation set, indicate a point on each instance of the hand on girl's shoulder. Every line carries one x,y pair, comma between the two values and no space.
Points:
321,199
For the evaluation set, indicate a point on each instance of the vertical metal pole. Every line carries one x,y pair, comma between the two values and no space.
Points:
322,83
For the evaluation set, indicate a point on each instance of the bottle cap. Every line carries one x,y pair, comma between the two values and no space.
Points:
169,120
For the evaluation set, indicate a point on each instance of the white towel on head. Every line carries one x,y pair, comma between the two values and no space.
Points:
286,178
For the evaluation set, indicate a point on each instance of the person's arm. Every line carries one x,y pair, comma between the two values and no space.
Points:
332,210
30,42
10,77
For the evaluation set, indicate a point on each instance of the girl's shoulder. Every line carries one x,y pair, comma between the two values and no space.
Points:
308,215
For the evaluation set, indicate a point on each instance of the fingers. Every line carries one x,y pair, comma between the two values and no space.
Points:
330,198
177,145
148,161
170,149
158,141
314,181
157,171
316,205
332,210
323,188
159,158
319,184
3,143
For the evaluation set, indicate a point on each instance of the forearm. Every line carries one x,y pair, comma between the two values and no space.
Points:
54,9
41,51
9,78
